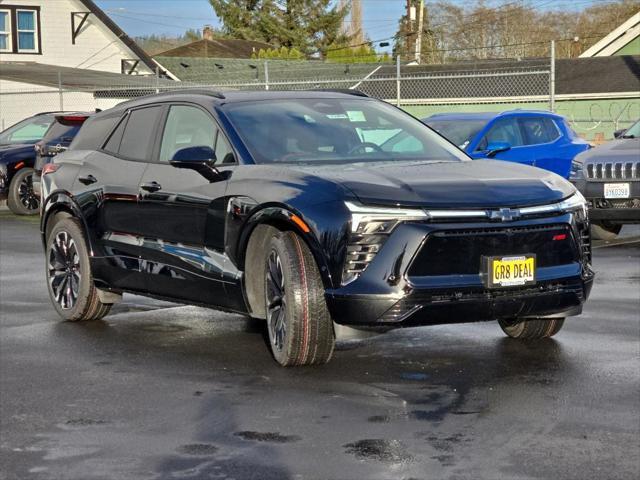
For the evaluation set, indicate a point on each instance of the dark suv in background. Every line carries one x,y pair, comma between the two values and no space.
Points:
609,178
43,134
305,209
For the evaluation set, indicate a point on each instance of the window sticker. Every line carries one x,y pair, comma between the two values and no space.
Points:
356,116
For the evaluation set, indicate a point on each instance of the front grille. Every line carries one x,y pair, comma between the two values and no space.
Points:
460,252
613,171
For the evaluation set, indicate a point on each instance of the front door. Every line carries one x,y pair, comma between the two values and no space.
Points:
180,212
505,131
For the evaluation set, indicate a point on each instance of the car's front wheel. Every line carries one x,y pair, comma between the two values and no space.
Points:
300,327
22,200
69,278
531,329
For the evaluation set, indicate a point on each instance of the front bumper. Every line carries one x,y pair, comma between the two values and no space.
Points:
614,211
387,294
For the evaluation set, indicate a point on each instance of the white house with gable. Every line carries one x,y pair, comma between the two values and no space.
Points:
37,37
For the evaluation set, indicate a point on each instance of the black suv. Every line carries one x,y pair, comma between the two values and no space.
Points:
609,178
23,146
304,209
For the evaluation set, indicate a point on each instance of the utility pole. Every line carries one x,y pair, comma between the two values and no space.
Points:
420,28
411,15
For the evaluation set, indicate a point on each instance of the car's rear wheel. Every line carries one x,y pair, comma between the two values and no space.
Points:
22,200
605,231
532,329
300,327
69,278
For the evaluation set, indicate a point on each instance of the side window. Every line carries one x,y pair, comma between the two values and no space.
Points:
137,139
224,153
93,133
113,144
186,127
538,130
503,130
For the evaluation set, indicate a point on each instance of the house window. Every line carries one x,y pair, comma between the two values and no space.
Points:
27,33
5,31
20,29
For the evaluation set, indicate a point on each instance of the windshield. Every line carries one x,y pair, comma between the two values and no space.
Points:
27,131
460,132
633,131
335,130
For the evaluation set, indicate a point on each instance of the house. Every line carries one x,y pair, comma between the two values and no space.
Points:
624,40
46,45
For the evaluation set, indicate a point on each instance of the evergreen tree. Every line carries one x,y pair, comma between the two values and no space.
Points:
308,25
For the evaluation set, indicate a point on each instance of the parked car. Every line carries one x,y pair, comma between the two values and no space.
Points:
62,131
17,157
273,205
530,137
609,178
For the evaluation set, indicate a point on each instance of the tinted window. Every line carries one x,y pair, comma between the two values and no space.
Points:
138,134
503,130
538,130
186,127
28,131
334,130
224,153
61,133
460,132
93,133
113,144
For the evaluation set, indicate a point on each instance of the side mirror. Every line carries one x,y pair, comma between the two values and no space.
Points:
201,159
494,148
619,133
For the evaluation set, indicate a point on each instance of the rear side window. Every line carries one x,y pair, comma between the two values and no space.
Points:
138,135
94,132
538,130
113,144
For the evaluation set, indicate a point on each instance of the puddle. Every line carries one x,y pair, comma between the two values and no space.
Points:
274,437
391,451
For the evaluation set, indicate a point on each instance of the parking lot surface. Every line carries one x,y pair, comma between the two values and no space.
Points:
159,390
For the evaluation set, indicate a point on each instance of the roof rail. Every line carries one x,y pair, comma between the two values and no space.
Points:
193,91
346,91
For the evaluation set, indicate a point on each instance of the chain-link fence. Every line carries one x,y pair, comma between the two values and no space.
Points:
422,90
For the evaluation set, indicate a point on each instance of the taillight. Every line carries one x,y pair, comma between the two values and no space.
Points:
49,168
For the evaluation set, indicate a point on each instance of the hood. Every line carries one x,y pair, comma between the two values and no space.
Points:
16,148
469,184
621,150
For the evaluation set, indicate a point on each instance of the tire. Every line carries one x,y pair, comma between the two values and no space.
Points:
605,231
22,200
298,321
68,272
531,329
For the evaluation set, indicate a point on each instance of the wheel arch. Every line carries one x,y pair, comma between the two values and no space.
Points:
62,202
253,239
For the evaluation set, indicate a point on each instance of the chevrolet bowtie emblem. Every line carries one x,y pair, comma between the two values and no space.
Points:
504,214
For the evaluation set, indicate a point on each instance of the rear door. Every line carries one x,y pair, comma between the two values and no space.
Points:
551,150
107,189
176,210
505,130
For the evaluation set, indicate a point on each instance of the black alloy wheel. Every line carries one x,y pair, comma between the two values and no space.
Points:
64,270
22,199
276,301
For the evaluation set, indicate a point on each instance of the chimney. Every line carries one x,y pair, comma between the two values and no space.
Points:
207,32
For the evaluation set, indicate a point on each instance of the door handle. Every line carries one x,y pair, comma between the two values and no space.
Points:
88,180
151,186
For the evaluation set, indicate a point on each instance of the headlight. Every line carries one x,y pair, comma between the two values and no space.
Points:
575,203
370,228
576,170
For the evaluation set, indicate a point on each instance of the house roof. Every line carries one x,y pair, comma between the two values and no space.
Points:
617,39
218,48
118,32
74,78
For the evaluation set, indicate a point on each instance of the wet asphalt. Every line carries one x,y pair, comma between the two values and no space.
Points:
163,391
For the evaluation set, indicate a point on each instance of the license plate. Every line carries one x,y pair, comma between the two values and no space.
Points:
509,271
616,190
